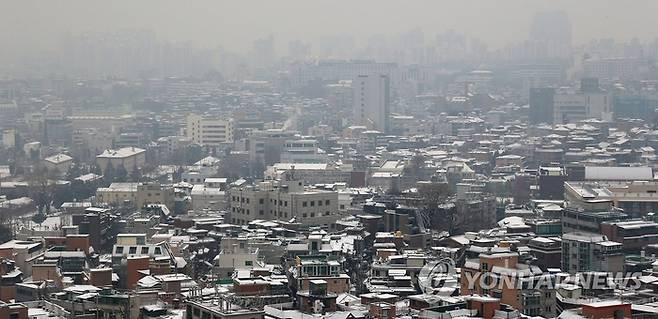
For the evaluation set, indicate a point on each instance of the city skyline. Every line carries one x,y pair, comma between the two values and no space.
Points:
329,159
234,25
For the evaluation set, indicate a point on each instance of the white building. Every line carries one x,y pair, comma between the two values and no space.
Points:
371,101
203,169
571,107
58,163
128,157
310,174
303,151
32,150
611,68
211,198
235,254
170,144
209,131
210,195
283,200
9,138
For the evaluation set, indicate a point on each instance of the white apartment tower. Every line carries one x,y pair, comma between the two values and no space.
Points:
209,131
371,101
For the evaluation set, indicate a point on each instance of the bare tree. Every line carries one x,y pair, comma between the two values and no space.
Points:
435,205
41,191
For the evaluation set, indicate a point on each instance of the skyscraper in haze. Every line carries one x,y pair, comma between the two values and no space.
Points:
551,30
263,52
541,105
371,101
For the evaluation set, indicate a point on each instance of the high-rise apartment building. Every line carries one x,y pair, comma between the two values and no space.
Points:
371,101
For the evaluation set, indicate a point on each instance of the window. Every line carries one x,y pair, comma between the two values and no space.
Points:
304,215
326,202
145,250
312,214
261,201
304,204
312,203
119,250
319,203
157,250
285,203
132,250
260,212
248,263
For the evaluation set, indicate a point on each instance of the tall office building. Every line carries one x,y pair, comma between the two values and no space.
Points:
552,29
264,52
371,101
541,105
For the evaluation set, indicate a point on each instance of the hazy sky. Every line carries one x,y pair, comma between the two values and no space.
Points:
234,24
